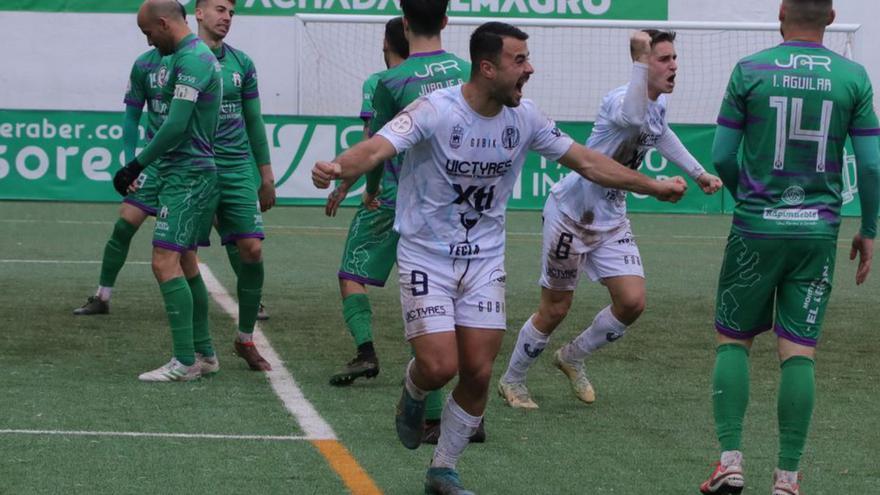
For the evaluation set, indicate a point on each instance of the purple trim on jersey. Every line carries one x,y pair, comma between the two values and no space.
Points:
149,210
361,280
147,66
739,335
203,96
785,334
208,58
427,54
366,115
203,146
390,203
133,103
169,246
803,44
732,124
399,83
864,132
250,95
234,237
761,67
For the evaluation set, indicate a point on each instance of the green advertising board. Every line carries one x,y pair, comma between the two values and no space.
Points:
549,9
71,156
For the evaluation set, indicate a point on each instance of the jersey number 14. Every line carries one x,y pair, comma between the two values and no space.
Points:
785,132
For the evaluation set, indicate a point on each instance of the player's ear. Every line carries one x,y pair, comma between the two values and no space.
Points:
831,17
782,12
445,21
487,69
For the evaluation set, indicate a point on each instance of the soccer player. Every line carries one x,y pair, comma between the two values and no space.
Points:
586,228
465,146
791,107
371,246
182,152
428,68
143,88
240,141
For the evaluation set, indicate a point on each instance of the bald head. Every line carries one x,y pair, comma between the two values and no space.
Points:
163,22
810,14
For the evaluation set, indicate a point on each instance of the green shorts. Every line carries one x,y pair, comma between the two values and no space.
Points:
146,197
187,200
370,248
238,212
793,275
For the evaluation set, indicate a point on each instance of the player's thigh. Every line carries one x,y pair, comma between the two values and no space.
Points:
238,207
145,199
477,350
563,249
616,254
804,291
371,247
426,295
187,200
436,354
480,301
750,272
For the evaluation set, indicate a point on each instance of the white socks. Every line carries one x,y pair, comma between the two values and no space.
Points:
104,293
529,345
604,330
414,391
456,429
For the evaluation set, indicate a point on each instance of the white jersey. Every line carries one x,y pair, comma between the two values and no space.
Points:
596,206
460,170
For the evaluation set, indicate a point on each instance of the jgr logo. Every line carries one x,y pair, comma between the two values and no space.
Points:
443,67
809,61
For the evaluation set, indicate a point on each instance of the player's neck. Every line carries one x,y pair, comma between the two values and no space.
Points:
653,94
212,41
420,44
179,33
480,100
805,35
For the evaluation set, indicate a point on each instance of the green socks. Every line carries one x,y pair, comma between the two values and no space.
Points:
358,318
115,252
179,307
730,394
201,333
797,396
250,292
434,405
234,256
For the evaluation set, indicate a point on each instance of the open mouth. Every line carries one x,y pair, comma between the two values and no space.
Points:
671,79
519,85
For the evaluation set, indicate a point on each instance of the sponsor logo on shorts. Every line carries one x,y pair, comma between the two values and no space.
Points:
498,278
631,259
791,214
793,196
627,239
561,274
463,249
163,226
426,312
490,307
163,213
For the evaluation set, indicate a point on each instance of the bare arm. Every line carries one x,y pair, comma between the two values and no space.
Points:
356,161
606,172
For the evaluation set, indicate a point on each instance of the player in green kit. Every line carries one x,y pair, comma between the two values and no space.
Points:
143,88
240,141
791,107
183,153
371,245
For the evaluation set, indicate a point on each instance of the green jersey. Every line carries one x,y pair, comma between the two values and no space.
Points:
369,90
144,87
795,104
418,75
193,75
232,148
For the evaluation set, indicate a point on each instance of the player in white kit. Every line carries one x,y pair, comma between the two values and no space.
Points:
465,147
586,228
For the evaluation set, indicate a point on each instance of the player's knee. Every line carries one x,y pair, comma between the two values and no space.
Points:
478,376
251,251
439,369
629,308
556,311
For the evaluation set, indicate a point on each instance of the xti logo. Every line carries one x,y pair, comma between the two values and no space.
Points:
483,196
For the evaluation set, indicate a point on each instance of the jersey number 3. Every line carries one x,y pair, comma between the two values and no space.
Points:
795,131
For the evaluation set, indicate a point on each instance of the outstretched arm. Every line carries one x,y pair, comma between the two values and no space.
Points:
606,172
356,161
673,150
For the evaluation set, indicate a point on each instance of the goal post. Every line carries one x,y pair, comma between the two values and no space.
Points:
576,61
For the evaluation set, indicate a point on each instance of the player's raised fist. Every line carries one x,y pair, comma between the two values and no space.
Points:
640,46
671,190
323,173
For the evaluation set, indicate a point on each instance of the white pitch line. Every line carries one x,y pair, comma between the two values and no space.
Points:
210,436
71,262
285,387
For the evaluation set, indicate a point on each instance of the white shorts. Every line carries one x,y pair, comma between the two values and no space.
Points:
569,248
437,293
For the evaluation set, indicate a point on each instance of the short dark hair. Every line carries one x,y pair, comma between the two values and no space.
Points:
658,36
199,2
488,40
182,10
811,13
425,17
396,38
